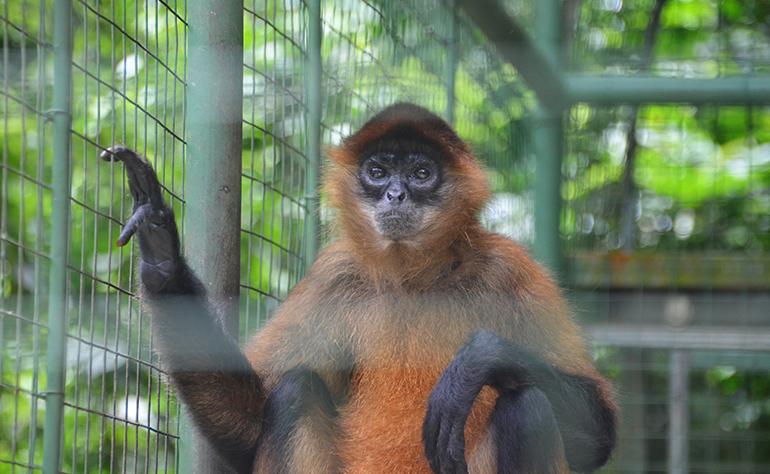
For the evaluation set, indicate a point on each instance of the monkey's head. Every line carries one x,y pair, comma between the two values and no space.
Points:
405,178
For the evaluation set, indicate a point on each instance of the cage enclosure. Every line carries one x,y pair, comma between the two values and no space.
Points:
628,142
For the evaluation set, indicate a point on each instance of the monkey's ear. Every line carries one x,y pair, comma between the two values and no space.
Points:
342,156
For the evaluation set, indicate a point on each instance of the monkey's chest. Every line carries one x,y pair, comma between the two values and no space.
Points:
381,426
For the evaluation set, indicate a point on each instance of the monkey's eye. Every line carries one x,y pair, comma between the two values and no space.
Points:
376,172
421,174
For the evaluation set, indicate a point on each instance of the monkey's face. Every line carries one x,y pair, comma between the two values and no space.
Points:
401,190
405,177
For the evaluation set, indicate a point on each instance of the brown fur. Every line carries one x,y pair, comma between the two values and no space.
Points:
391,316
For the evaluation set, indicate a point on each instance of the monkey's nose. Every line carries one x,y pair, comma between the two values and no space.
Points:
392,196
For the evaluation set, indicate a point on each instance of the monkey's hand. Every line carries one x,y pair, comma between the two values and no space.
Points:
152,222
486,359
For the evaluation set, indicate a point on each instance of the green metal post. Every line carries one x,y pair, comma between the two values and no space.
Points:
313,77
548,148
214,148
60,217
451,63
213,171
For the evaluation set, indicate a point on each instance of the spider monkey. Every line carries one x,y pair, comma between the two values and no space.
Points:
418,341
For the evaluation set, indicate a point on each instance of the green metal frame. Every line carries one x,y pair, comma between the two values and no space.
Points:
533,63
538,65
60,220
548,135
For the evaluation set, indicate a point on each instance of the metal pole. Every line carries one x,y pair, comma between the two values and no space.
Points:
647,89
213,171
451,63
313,46
214,143
60,217
548,148
678,412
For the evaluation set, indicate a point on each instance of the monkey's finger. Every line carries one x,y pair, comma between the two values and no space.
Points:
450,454
136,220
455,451
110,153
429,437
444,439
142,180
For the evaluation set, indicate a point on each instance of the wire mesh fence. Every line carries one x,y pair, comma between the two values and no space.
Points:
667,248
129,87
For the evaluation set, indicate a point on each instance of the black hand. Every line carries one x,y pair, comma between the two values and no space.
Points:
450,404
486,359
152,221
443,433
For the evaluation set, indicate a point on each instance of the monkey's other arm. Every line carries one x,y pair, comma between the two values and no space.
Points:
542,414
215,380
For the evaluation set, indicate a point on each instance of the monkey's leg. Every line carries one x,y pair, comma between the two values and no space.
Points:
527,435
223,393
298,428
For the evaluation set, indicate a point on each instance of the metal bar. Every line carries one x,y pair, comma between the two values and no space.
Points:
548,150
214,143
547,26
548,144
741,90
312,218
701,338
451,63
678,412
213,171
534,65
60,217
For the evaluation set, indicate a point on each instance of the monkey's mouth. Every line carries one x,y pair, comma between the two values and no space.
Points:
396,225
392,214
395,218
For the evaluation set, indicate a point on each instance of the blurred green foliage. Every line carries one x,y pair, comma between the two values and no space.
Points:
701,175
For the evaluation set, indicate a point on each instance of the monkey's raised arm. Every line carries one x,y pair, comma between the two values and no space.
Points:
222,391
542,414
246,421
